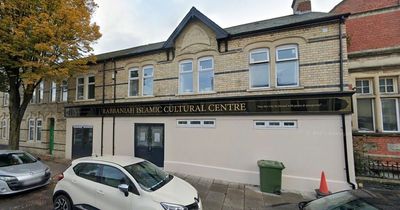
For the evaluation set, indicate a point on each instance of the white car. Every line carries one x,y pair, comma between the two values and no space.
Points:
122,182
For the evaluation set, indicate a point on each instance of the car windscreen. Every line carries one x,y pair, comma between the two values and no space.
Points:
148,176
339,201
19,158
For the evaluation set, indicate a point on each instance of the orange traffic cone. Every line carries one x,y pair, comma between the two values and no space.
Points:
323,187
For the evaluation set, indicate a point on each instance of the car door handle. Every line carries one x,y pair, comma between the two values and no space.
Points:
100,192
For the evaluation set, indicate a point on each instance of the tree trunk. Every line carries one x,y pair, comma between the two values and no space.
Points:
17,109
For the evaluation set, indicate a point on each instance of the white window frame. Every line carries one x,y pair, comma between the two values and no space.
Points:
373,116
131,79
89,84
37,133
147,77
4,125
397,116
77,88
385,85
252,62
266,124
370,88
277,60
6,98
53,92
205,70
64,91
41,92
185,72
188,124
31,138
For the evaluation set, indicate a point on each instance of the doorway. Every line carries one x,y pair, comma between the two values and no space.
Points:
149,143
82,141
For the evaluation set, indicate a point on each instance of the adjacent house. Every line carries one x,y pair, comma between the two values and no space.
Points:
373,40
211,101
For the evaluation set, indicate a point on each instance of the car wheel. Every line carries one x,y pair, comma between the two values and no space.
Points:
62,202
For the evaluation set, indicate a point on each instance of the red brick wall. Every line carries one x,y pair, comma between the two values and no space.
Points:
373,32
383,146
356,6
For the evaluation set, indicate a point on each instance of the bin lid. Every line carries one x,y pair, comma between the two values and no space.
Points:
270,164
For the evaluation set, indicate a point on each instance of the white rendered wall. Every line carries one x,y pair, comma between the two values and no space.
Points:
230,150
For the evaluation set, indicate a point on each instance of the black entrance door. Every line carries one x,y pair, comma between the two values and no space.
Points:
82,142
149,143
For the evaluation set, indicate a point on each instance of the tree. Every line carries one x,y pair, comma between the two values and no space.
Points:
42,39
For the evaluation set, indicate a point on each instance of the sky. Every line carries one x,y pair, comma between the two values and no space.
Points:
130,23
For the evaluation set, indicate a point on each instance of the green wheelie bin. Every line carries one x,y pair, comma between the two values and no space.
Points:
270,176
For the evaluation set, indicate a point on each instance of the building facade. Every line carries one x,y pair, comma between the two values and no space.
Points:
373,38
211,102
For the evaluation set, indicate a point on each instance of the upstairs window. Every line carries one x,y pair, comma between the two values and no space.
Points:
186,77
91,87
6,98
363,86
40,92
39,129
206,74
287,66
64,91
80,88
133,82
259,68
148,74
387,85
53,92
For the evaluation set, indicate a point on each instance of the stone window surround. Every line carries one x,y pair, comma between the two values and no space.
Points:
377,97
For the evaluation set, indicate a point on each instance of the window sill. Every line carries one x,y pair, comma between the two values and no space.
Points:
274,89
84,100
138,97
389,95
195,94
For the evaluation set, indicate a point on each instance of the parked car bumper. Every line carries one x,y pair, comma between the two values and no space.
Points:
6,189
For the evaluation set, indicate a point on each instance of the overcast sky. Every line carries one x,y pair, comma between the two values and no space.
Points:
129,23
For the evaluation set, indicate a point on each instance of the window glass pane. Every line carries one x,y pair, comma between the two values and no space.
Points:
91,91
81,81
260,123
186,83
287,74
88,171
389,82
91,79
389,115
148,72
365,83
208,122
148,86
287,54
134,74
133,87
261,56
195,122
206,64
206,81
382,82
259,74
274,124
365,115
113,177
185,67
382,89
390,89
80,92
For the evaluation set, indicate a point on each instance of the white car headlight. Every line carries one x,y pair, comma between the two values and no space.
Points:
7,178
170,206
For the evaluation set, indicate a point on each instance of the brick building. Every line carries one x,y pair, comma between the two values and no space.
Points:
211,101
373,39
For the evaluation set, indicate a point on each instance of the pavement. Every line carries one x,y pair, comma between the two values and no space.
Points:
215,194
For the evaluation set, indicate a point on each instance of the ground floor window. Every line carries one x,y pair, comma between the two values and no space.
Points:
365,113
196,123
35,129
260,124
4,129
390,110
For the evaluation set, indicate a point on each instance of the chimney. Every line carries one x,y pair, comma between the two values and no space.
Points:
301,6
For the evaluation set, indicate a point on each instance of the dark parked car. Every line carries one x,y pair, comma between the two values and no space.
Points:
353,200
20,171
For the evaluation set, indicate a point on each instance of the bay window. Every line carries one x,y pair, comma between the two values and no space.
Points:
186,77
206,74
259,68
287,66
133,82
148,74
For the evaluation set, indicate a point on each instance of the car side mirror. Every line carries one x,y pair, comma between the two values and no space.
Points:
124,188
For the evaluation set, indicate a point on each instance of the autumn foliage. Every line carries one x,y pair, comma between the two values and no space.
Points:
42,39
